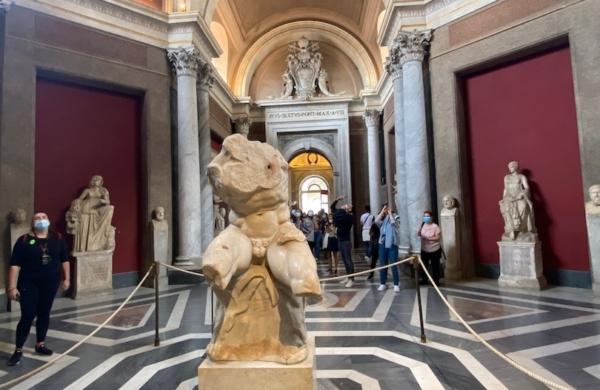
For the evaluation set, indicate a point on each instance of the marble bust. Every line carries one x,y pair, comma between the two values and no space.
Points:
160,235
260,266
593,206
19,225
158,219
516,207
449,206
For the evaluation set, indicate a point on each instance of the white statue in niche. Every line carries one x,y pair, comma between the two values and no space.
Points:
449,223
304,72
89,219
593,206
516,207
19,225
260,266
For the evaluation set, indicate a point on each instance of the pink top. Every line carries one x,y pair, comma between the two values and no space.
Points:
430,237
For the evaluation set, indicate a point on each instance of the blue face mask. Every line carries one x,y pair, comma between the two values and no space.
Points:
426,218
41,224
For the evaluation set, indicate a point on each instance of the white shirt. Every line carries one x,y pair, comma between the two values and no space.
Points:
366,220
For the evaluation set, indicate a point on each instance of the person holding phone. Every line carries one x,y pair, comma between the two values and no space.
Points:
431,248
33,279
388,247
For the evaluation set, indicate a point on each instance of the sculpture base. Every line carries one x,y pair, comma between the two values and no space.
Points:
593,228
93,273
259,375
521,265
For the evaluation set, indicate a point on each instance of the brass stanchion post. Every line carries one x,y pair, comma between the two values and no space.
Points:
156,318
418,288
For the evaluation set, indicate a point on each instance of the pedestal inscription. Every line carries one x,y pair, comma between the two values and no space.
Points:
93,273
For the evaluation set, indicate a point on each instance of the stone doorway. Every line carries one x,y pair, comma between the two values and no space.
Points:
311,181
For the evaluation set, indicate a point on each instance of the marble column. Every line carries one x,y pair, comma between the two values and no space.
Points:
242,126
418,195
205,81
185,62
394,68
371,118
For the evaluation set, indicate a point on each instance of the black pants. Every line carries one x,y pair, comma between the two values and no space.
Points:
36,301
432,262
374,256
346,250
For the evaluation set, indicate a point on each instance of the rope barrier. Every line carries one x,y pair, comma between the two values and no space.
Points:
180,269
367,271
510,361
86,338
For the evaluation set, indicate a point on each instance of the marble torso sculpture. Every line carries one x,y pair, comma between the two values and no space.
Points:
260,266
304,72
516,207
19,225
219,213
593,206
89,219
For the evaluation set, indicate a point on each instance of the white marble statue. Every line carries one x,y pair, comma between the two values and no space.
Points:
89,219
449,223
593,206
19,225
304,72
288,85
260,267
160,236
516,207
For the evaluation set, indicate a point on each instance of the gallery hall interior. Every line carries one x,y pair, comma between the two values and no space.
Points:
299,194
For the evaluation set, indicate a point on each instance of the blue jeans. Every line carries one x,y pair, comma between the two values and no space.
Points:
388,256
318,244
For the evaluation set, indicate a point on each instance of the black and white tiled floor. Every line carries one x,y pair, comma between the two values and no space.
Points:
365,339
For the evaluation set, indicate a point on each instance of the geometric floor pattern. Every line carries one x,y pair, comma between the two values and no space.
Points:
365,339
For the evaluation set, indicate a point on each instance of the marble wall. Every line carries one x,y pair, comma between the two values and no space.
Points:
38,44
491,38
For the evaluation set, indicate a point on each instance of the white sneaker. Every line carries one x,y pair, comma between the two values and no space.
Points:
396,288
344,281
350,283
381,287
367,259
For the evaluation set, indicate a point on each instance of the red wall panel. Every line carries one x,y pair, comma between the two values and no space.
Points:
525,111
81,132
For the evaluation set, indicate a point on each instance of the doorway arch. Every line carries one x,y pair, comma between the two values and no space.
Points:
311,180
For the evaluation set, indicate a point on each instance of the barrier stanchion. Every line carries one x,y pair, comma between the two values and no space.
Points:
156,307
418,288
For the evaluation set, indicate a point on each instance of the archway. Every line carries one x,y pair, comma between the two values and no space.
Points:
311,181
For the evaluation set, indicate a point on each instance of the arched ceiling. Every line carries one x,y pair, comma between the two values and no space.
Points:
249,22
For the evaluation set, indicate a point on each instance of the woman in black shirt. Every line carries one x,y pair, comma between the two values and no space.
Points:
33,277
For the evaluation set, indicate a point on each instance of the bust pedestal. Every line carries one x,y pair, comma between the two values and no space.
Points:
521,265
593,228
93,273
258,375
451,244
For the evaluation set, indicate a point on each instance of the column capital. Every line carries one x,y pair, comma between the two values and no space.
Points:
412,45
184,60
242,125
371,118
5,5
393,63
206,76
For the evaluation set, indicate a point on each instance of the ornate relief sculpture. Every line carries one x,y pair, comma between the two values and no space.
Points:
304,73
260,266
89,219
516,207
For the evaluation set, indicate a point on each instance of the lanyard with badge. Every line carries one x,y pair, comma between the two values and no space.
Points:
45,256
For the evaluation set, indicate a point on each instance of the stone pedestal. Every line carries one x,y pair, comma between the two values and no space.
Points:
451,244
259,375
93,273
593,228
521,265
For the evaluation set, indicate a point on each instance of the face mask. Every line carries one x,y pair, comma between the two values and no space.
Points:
426,219
41,224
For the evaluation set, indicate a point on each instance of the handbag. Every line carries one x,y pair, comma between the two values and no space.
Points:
325,240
